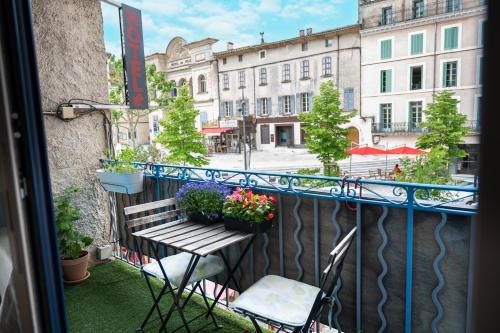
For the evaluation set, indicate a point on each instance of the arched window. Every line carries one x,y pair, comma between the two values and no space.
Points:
182,82
202,84
174,88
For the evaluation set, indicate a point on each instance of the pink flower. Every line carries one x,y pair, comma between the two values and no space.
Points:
272,199
270,216
262,198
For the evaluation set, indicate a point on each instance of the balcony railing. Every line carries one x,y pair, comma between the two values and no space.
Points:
412,128
420,11
413,240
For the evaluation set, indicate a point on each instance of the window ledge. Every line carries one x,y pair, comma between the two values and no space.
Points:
305,78
241,87
225,89
326,75
286,81
262,84
202,92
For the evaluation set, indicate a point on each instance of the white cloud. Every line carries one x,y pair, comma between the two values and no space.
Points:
317,8
160,7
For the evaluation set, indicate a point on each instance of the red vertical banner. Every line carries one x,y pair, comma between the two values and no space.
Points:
136,89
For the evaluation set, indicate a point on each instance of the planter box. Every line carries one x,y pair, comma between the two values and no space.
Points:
128,183
246,226
202,219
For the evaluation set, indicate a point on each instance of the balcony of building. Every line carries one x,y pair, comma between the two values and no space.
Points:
418,10
410,266
408,128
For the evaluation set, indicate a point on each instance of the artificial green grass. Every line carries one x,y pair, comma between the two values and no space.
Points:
116,299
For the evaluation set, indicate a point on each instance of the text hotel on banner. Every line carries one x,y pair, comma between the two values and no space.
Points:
136,88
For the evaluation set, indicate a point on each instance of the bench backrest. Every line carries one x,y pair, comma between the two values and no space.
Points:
170,213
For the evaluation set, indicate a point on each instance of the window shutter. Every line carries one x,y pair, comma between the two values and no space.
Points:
238,106
221,109
247,107
269,105
444,75
382,81
280,104
309,98
389,80
410,118
292,104
298,103
385,49
451,38
231,108
417,44
259,106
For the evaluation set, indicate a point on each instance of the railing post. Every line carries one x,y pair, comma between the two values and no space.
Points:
409,259
358,268
157,177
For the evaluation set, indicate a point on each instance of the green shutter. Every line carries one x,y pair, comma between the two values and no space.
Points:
444,75
451,38
417,44
389,80
386,49
382,81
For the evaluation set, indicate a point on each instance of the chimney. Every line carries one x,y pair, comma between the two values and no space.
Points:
301,32
309,31
262,38
230,45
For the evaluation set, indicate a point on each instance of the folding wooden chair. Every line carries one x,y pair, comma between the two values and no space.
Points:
170,269
289,305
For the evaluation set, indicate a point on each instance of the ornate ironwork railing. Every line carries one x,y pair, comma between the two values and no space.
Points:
412,254
418,11
401,127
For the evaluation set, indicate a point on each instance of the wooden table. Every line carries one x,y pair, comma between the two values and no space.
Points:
200,240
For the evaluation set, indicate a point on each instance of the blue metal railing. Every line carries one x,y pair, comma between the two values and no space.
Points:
444,201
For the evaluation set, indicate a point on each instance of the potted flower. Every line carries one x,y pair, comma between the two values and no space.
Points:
248,212
202,201
121,175
74,259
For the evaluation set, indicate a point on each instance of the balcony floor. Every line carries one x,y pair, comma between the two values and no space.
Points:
115,299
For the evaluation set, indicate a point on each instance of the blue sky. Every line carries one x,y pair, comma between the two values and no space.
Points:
226,20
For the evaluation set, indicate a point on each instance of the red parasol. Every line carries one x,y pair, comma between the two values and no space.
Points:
366,151
405,151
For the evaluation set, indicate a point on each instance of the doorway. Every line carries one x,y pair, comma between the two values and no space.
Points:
284,136
353,136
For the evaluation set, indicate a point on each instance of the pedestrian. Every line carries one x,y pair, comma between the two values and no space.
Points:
397,169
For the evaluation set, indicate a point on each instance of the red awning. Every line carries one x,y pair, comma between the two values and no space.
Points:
216,130
405,151
366,151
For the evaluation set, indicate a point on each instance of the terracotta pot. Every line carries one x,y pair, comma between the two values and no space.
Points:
75,269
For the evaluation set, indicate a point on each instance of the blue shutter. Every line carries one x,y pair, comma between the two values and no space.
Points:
221,110
385,49
269,106
280,104
451,38
388,78
309,98
292,104
238,107
259,106
298,103
231,108
417,43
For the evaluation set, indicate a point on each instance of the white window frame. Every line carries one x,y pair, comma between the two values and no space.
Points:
324,67
392,80
283,78
202,85
392,114
422,64
227,111
327,44
302,72
264,110
441,72
285,104
380,48
478,69
304,46
443,28
262,52
392,14
424,104
459,99
308,108
423,42
240,76
262,76
225,81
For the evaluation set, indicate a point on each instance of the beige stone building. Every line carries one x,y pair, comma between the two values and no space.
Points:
412,49
277,80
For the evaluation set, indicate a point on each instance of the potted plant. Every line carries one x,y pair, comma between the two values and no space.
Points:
202,201
248,212
121,175
74,259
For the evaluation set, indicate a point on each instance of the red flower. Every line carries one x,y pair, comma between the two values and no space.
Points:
272,199
238,190
270,216
249,195
262,198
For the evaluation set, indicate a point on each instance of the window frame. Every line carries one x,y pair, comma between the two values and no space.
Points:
225,81
442,62
262,52
380,48
287,101
479,65
302,69
240,57
424,40
480,32
268,140
391,19
409,102
302,108
241,79
410,66
264,106
224,61
414,17
327,43
202,84
284,72
326,65
382,127
445,9
227,109
392,80
304,46
344,99
262,76
459,44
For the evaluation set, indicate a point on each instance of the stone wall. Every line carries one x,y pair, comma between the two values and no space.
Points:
72,64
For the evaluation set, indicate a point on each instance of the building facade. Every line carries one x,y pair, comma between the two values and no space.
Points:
412,49
194,65
274,82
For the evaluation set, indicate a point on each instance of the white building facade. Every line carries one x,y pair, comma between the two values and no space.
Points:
277,81
192,64
412,49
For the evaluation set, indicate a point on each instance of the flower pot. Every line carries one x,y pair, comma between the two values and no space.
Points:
247,226
128,183
198,217
76,269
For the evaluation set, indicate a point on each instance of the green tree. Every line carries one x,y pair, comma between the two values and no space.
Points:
159,93
444,126
323,126
179,134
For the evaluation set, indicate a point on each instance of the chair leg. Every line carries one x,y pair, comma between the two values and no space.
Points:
155,303
256,325
210,310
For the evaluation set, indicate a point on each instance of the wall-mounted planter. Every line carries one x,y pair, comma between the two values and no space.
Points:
128,183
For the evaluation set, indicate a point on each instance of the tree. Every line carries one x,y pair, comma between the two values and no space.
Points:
179,134
323,126
159,93
444,126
